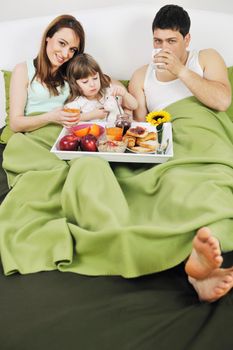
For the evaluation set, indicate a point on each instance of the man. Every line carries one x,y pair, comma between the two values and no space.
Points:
181,74
202,74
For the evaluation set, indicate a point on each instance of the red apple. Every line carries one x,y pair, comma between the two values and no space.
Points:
88,143
69,142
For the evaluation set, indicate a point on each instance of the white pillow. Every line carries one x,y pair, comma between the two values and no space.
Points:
2,101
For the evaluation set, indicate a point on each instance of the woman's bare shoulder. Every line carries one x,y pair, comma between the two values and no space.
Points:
20,73
20,68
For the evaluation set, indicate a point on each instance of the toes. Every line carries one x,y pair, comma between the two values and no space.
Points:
219,291
218,259
218,284
204,233
211,241
216,253
227,279
229,276
224,285
214,243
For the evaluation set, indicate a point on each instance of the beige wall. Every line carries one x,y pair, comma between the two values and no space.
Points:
13,9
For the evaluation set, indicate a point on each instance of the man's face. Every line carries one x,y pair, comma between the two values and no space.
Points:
172,40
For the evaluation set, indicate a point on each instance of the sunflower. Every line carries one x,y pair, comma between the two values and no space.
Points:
158,117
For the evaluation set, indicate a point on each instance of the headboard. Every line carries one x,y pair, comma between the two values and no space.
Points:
120,38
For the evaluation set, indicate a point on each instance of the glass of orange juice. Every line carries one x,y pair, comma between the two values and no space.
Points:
71,109
112,131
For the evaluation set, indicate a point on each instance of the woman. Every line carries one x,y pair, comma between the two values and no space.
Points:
39,86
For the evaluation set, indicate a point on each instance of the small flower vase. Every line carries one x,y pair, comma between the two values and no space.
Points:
159,129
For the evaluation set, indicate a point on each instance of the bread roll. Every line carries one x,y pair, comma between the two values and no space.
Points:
150,136
150,144
129,140
140,149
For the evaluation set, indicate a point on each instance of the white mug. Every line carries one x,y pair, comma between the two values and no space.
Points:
158,66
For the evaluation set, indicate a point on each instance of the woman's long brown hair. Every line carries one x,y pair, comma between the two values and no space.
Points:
81,67
42,63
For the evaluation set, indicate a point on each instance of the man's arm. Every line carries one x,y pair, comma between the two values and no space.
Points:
213,89
136,88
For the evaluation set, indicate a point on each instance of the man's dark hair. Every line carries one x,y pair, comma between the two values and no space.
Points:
172,17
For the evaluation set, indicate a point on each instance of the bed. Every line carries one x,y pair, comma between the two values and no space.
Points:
55,309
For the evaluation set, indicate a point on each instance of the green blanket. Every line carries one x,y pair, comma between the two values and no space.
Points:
95,218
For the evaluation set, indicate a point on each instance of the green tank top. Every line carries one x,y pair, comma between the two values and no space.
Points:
39,99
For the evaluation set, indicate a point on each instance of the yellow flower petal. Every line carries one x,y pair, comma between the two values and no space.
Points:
158,117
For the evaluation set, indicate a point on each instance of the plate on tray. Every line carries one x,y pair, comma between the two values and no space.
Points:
133,151
87,128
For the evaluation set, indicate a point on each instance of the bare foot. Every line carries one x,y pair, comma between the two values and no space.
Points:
205,256
215,286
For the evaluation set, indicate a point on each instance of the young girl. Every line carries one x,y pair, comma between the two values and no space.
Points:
90,89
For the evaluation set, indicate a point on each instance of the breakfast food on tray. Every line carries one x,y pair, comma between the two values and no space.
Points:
69,142
95,138
129,140
137,131
139,138
88,143
105,145
114,133
85,129
150,136
150,144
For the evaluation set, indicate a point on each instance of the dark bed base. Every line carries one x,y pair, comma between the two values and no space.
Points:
57,311
54,310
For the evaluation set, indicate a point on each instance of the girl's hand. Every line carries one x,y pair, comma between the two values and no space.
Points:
117,90
99,113
60,116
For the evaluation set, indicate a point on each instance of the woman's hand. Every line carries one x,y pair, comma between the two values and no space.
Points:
60,116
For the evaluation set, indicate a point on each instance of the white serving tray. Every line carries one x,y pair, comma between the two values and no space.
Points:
121,157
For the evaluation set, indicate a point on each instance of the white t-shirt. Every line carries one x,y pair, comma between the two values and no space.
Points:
161,94
86,106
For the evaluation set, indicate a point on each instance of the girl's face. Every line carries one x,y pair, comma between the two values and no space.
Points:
61,47
90,86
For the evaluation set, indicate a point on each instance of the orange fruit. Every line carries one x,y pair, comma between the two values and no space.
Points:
82,132
95,130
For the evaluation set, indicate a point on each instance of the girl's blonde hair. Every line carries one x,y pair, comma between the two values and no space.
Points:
81,67
42,63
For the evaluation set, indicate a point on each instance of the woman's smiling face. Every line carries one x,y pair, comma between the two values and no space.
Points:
61,47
